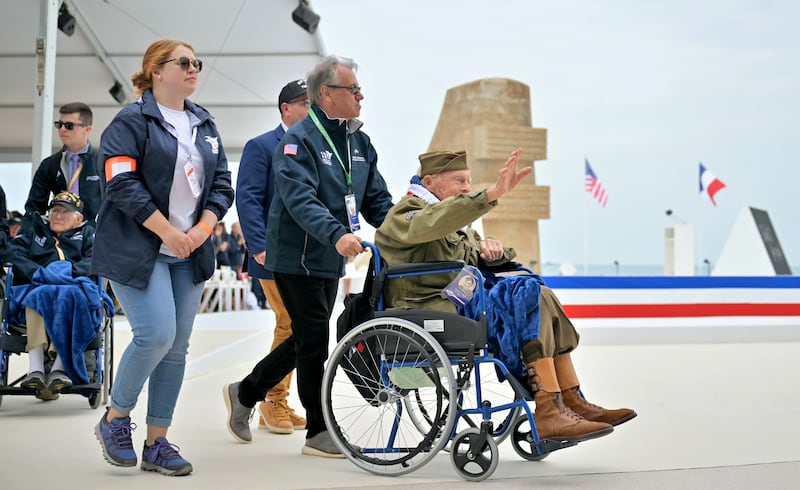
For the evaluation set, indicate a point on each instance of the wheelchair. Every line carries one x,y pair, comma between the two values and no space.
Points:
406,384
98,355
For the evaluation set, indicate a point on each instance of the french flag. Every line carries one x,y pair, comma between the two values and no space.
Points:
709,184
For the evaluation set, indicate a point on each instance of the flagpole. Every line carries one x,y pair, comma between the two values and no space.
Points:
698,219
586,234
698,231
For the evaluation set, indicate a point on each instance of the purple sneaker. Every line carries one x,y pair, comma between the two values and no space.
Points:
163,457
115,439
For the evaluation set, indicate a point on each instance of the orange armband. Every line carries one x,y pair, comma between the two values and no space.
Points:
205,227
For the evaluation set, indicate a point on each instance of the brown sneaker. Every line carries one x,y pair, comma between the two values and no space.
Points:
298,422
596,413
274,417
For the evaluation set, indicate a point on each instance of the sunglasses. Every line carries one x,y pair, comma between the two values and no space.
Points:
185,62
69,125
354,89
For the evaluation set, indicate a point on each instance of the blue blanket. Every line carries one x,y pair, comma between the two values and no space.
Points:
512,316
72,308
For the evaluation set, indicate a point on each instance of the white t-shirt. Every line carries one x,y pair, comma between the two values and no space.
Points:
182,203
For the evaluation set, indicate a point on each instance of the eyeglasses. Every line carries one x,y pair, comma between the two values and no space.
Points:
305,102
68,124
354,89
185,62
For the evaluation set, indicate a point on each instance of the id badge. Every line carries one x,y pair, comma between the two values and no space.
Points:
352,213
191,177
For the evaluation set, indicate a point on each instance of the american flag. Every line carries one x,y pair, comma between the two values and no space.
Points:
289,149
594,187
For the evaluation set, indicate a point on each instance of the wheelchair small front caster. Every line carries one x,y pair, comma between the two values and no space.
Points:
94,400
474,456
522,440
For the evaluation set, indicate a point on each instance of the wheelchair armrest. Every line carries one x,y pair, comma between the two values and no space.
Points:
420,268
506,267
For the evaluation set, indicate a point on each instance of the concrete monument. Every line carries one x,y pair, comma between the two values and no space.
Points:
489,118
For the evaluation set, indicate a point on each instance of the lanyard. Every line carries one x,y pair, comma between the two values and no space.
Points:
335,152
187,148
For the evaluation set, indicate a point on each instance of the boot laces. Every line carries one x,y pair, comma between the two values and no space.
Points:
564,410
584,401
281,409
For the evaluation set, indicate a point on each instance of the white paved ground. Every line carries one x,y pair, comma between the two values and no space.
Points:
711,415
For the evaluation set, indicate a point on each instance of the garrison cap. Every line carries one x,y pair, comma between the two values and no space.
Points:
436,162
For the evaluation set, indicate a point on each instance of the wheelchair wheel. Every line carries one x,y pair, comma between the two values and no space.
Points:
370,375
522,440
474,456
493,390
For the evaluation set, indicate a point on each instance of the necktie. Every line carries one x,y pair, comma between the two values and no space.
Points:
58,250
74,171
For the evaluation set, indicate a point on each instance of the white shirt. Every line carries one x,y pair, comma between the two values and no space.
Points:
182,203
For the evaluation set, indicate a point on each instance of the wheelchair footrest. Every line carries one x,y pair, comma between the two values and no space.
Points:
550,445
83,389
75,390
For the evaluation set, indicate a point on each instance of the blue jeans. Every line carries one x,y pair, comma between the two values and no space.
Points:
161,318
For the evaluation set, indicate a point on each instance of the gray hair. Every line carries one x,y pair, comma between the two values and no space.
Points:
325,74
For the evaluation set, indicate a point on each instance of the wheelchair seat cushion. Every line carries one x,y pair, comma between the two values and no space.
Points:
456,334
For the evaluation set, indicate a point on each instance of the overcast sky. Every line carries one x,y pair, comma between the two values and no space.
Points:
644,90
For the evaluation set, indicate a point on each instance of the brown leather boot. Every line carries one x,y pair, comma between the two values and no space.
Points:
573,399
570,390
554,420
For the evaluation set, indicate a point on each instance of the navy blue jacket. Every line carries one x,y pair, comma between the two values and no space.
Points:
308,216
34,247
254,191
125,251
49,180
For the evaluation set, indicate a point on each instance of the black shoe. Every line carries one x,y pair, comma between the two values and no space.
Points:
58,380
34,381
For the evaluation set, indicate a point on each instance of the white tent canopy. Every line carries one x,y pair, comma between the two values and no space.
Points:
250,49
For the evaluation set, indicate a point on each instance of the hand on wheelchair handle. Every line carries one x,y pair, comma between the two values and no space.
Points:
349,245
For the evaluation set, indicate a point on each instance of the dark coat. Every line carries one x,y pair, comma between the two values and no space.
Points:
254,191
126,251
49,180
307,215
34,247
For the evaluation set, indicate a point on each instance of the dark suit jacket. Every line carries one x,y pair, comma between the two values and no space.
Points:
49,180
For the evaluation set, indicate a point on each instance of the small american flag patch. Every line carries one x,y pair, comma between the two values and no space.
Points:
290,149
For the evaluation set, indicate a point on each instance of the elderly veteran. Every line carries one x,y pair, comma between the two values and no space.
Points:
51,259
431,223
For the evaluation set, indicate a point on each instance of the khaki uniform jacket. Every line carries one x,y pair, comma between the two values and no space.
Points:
415,231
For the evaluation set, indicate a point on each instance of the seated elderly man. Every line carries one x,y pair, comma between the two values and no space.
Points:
431,223
48,256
